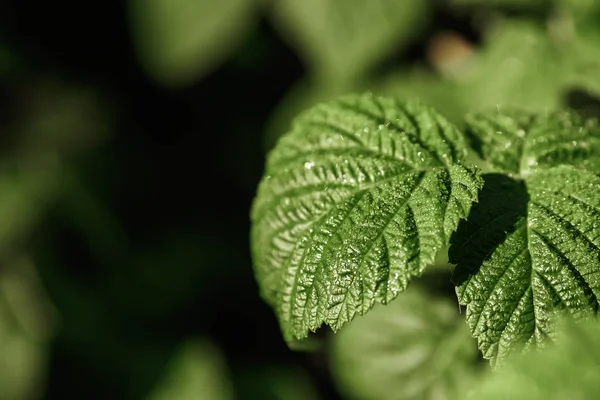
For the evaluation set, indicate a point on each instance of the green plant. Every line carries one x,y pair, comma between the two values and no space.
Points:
358,198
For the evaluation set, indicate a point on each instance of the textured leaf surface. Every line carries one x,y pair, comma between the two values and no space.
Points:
565,371
418,347
178,41
519,142
356,199
340,39
529,249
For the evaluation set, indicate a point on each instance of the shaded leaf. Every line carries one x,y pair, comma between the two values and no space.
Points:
528,250
567,370
418,347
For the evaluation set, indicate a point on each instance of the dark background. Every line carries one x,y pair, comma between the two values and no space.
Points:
145,243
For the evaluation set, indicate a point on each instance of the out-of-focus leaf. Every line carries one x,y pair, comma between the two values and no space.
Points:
25,192
7,60
197,371
512,4
62,118
26,326
275,383
520,65
585,53
417,347
580,9
341,39
443,94
178,41
567,370
300,97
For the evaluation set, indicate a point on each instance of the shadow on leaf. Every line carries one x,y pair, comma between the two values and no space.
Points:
502,203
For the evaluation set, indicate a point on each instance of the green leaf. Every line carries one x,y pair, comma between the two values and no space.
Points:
444,95
519,142
356,200
528,66
300,97
528,250
197,369
276,382
418,347
27,322
585,55
580,8
178,41
27,191
513,4
567,370
341,39
504,74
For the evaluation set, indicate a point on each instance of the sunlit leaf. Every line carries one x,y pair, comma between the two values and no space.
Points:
519,142
356,199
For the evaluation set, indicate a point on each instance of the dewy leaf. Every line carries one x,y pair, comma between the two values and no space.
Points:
566,370
528,250
519,142
356,199
418,347
340,39
178,41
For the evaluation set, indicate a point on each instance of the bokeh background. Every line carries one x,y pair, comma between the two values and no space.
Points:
132,137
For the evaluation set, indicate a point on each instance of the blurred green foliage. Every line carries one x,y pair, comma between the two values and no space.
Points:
180,41
417,347
566,370
27,323
196,368
133,136
341,39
